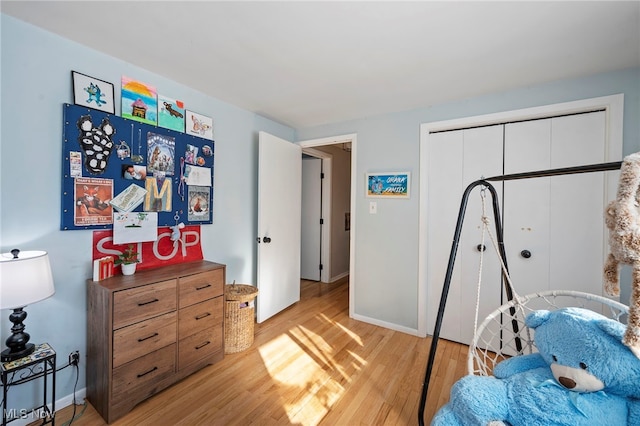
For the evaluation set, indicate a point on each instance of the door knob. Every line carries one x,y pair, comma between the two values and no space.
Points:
266,240
525,253
481,247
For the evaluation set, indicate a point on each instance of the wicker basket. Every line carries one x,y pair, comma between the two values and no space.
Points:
238,317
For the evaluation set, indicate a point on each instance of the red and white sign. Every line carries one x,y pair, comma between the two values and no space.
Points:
157,253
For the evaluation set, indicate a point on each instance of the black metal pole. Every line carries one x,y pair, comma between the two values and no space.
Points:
602,167
447,284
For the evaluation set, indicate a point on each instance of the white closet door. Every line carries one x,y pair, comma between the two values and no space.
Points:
444,191
559,220
456,159
482,158
577,228
526,205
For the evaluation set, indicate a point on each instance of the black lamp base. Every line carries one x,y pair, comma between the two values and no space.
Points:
10,355
17,343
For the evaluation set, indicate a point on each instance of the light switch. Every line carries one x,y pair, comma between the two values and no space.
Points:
373,207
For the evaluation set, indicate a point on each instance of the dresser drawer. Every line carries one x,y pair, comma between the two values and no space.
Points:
199,345
202,315
142,338
146,370
139,303
198,287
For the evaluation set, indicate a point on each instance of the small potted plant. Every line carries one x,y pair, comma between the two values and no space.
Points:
128,260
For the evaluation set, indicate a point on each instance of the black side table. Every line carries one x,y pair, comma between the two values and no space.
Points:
41,363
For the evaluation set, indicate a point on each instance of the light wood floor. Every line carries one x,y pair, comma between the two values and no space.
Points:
309,365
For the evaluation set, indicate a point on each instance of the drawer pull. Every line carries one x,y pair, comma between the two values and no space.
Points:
206,314
147,372
203,287
203,345
147,338
150,301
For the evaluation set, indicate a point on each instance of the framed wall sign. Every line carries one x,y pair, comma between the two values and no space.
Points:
92,93
388,185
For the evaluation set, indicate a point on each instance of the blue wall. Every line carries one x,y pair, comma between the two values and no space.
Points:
35,82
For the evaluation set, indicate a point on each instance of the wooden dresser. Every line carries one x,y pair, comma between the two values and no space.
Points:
148,330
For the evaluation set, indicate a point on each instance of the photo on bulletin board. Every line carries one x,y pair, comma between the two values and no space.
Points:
170,113
161,154
139,101
198,125
134,171
199,201
129,199
191,154
92,196
92,93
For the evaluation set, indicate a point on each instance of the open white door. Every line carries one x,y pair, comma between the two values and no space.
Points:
279,212
311,239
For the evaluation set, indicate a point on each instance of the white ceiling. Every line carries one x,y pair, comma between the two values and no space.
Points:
309,63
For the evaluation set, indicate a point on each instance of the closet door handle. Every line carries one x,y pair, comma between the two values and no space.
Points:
525,253
481,247
266,240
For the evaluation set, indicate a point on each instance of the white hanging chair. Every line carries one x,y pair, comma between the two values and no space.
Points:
503,333
495,339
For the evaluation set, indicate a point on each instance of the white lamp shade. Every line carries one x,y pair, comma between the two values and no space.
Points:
24,280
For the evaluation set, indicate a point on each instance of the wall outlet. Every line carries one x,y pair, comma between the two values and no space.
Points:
74,358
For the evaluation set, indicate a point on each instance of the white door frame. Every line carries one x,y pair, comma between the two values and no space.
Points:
613,105
333,140
325,254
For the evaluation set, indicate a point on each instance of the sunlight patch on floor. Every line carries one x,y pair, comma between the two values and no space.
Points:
308,370
350,333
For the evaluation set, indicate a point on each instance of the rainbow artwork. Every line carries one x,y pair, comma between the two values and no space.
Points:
139,101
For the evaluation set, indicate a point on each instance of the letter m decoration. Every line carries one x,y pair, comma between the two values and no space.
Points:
157,200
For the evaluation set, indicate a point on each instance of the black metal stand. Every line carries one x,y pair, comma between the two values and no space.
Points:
41,363
500,237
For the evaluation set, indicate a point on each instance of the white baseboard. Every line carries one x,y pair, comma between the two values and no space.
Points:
30,416
391,326
339,276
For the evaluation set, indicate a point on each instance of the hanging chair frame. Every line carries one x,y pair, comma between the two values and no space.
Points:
486,183
490,344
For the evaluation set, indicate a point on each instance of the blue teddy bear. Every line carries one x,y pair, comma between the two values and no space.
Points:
582,375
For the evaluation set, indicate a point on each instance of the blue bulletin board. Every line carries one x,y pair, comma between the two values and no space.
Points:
113,164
